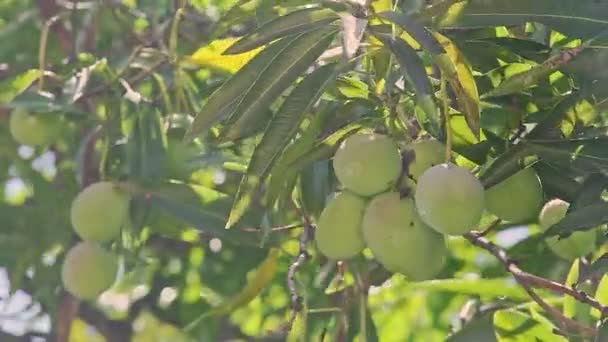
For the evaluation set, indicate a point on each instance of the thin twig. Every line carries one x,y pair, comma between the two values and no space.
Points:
528,281
299,260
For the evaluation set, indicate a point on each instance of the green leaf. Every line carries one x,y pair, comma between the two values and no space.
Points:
583,19
304,155
315,185
281,173
294,22
506,165
284,69
486,288
203,208
10,88
147,146
223,100
570,306
280,130
414,71
423,36
515,326
584,218
585,154
449,60
460,76
480,329
526,79
590,191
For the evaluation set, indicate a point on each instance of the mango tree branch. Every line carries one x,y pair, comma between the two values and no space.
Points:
529,281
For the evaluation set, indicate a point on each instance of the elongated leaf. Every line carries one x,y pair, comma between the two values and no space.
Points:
506,165
586,154
259,280
487,288
281,173
582,18
219,103
278,133
309,155
294,22
284,69
416,30
203,208
414,71
526,79
10,88
451,62
147,147
570,307
481,329
514,326
463,83
584,218
590,191
214,55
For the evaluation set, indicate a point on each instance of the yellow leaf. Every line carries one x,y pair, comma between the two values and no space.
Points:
462,81
211,56
82,332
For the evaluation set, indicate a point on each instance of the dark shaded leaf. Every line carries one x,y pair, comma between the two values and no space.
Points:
208,212
590,191
583,19
582,219
146,149
506,165
414,71
480,329
598,268
280,130
284,69
223,100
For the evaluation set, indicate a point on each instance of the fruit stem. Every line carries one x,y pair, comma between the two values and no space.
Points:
446,117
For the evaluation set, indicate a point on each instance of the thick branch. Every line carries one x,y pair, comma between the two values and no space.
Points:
528,281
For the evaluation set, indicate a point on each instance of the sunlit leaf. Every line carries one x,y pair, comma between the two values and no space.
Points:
214,55
464,85
10,88
515,326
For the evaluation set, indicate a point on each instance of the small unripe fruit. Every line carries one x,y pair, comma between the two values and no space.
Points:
88,270
425,154
99,212
34,130
450,199
576,245
399,239
338,234
518,198
367,164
